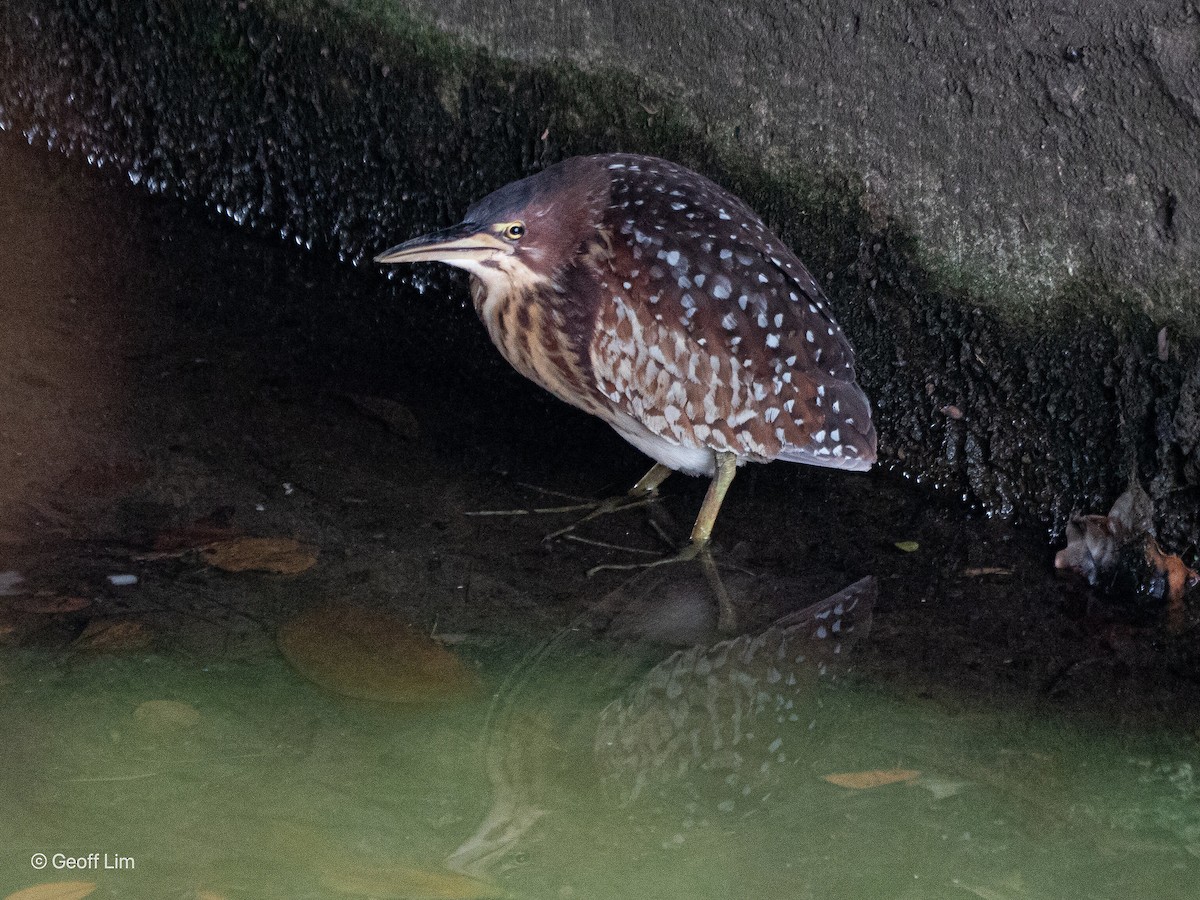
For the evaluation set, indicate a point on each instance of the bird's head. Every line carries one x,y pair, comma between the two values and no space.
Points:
525,232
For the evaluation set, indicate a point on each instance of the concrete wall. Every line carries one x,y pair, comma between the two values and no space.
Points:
1023,144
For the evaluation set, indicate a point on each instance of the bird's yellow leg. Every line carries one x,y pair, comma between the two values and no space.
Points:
722,479
726,465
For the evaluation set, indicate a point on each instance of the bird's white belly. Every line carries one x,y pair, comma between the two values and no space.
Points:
673,455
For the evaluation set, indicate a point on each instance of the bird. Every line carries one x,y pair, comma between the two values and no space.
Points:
645,294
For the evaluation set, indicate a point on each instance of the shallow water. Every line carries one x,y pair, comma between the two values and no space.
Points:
165,370
281,790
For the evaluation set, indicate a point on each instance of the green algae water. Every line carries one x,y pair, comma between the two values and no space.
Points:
572,784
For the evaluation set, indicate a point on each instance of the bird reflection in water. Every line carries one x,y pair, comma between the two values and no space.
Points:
597,715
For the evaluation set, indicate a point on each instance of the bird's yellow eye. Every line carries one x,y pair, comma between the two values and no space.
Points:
514,231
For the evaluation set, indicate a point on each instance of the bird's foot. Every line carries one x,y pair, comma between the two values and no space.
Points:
604,508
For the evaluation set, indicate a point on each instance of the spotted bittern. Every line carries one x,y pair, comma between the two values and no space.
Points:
646,295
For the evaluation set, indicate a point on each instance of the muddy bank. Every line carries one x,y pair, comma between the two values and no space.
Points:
329,130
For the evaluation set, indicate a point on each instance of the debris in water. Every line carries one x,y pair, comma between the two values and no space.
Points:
9,582
908,546
57,890
980,571
112,634
371,655
122,580
861,781
1119,553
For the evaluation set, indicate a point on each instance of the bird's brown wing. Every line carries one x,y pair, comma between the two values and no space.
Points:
711,333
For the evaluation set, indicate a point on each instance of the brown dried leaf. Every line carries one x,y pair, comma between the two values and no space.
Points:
370,655
979,571
51,604
113,634
1180,578
861,781
58,890
282,556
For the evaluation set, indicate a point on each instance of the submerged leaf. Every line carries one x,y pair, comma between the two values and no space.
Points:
392,882
861,781
58,890
112,634
370,655
283,556
908,546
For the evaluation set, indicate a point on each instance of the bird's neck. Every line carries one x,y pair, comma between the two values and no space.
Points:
534,324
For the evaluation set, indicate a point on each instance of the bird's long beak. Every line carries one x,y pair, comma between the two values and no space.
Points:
458,243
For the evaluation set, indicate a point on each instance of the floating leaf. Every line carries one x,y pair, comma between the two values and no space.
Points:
372,656
283,556
51,604
908,546
58,890
166,715
113,634
861,781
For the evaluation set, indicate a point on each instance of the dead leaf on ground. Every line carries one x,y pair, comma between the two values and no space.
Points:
979,571
861,781
166,715
51,604
113,634
58,890
281,556
370,655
